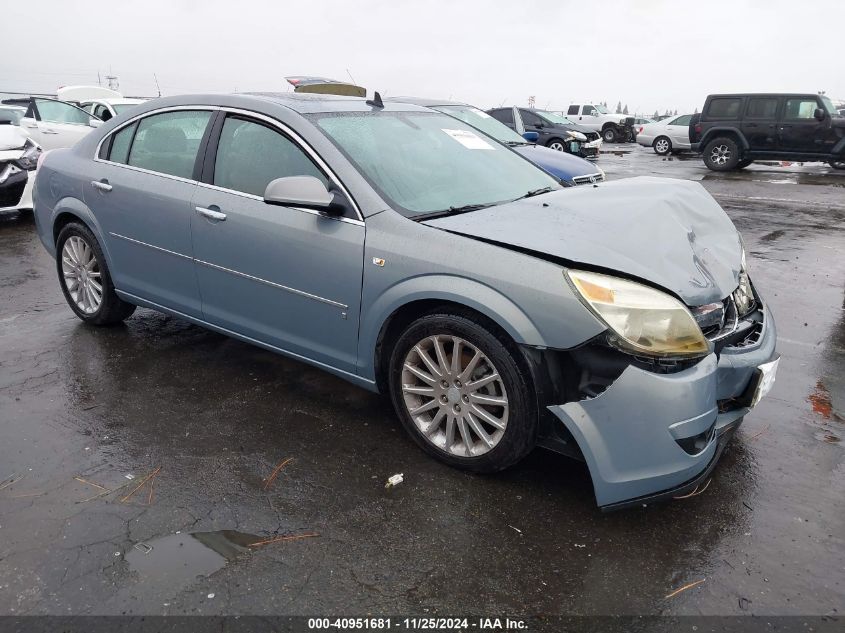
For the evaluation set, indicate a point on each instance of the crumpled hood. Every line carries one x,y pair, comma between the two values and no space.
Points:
12,137
669,232
559,164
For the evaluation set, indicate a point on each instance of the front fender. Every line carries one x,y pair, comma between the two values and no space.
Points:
441,287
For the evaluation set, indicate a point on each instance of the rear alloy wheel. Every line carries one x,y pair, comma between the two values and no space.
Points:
461,395
557,144
85,279
609,135
837,164
721,154
662,146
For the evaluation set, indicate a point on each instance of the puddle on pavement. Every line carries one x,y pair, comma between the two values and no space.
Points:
182,557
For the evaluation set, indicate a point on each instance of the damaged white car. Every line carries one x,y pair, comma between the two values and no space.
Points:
18,159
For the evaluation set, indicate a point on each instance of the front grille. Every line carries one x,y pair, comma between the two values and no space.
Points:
11,194
629,120
591,136
588,179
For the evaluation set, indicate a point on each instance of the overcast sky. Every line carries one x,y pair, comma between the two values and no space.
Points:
650,54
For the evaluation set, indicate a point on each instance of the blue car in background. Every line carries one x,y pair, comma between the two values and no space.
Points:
569,169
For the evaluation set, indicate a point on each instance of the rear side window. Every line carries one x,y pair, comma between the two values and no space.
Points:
682,120
724,108
168,143
121,143
800,108
503,115
573,109
251,155
762,108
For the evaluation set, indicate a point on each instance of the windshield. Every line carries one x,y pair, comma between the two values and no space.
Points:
554,117
482,121
601,109
828,104
428,162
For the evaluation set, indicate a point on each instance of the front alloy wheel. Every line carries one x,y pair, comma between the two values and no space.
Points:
463,391
455,396
557,145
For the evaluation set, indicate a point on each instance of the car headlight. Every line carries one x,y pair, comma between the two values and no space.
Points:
29,158
8,170
642,320
621,121
743,296
577,136
603,175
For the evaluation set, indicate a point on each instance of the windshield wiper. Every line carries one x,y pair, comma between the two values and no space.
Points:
536,192
450,211
517,143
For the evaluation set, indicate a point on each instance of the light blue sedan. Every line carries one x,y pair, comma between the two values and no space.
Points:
399,248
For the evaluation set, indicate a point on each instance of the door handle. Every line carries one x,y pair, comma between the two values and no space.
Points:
211,214
101,185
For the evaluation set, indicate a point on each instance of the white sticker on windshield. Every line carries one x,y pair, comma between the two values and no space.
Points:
468,139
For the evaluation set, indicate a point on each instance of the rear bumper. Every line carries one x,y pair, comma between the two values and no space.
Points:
636,435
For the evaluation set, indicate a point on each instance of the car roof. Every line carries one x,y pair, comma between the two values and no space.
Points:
425,101
764,94
305,103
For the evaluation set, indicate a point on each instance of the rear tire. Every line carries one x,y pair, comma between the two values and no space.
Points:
85,279
662,145
475,411
721,154
837,164
609,135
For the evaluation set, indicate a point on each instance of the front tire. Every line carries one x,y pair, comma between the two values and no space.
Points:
662,145
462,394
557,145
609,135
85,279
721,154
745,162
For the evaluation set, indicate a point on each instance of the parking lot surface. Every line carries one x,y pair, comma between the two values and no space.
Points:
82,408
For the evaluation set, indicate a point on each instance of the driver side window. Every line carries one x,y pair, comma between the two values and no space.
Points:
589,110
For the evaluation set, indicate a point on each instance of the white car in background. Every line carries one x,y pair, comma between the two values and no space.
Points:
103,103
666,136
18,160
54,124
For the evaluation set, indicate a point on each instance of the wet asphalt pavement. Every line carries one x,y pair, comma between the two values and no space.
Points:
217,416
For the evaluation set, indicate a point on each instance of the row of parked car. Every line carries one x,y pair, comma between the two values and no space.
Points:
734,130
548,139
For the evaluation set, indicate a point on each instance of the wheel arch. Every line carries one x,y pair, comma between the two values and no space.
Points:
730,132
69,210
409,300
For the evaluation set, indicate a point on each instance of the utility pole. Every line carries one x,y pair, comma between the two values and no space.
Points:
531,100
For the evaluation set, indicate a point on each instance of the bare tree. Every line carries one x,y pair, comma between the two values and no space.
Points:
625,109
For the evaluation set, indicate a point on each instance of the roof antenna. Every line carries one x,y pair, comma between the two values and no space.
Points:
157,86
376,101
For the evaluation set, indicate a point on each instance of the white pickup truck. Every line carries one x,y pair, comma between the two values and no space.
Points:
614,128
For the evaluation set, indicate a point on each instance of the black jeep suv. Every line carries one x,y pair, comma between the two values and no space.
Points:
735,130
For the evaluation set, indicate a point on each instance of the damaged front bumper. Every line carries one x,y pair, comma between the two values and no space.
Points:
652,435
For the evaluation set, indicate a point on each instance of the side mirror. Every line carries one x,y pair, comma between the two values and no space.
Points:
95,122
302,191
531,137
819,114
